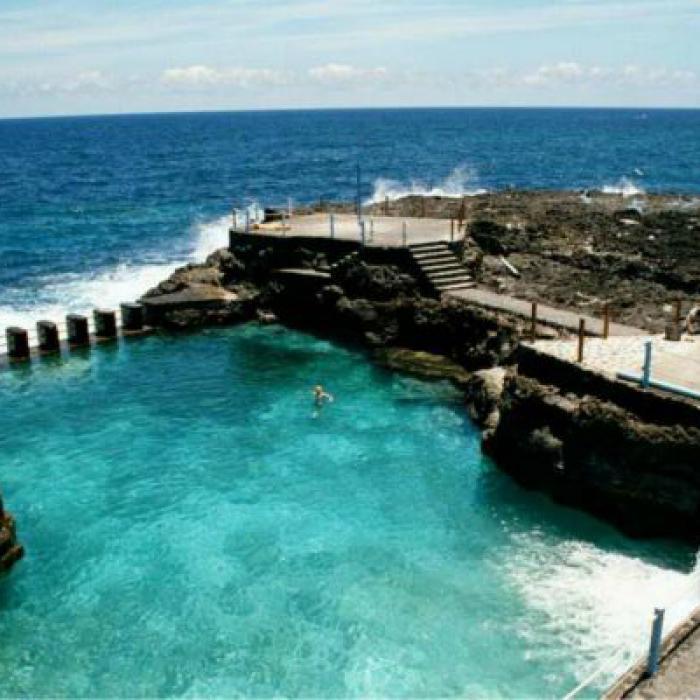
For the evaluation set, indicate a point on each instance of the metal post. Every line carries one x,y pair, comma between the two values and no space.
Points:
581,338
362,232
646,370
332,221
655,642
606,320
359,192
533,327
404,234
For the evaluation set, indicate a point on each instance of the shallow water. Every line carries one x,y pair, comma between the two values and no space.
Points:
194,527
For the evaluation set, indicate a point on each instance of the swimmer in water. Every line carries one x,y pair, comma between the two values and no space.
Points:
321,396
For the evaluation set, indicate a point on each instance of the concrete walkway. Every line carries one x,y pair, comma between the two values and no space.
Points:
679,675
546,315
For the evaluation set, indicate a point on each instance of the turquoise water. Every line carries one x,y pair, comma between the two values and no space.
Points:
194,528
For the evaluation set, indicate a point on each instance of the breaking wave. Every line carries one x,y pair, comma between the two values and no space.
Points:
461,182
59,295
624,187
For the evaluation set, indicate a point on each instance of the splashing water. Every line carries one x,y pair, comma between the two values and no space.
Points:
461,182
624,187
80,293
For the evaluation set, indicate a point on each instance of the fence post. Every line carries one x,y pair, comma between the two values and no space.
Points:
533,327
332,222
655,642
646,370
581,338
404,233
606,320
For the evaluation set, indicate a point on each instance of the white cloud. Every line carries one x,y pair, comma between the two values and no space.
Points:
571,73
200,76
343,73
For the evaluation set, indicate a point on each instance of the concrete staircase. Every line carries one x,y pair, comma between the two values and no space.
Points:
441,267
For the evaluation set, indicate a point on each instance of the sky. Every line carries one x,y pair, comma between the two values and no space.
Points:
114,56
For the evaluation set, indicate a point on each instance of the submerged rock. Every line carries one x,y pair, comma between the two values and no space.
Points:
422,364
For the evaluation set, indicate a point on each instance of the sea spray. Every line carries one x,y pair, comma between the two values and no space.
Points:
461,182
624,187
57,295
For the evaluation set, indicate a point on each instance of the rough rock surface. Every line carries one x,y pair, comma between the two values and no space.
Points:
10,551
483,393
594,455
576,250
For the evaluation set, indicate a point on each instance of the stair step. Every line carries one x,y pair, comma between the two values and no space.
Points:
456,286
447,265
427,257
447,274
424,246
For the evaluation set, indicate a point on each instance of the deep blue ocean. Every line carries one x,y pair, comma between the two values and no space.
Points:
99,208
194,527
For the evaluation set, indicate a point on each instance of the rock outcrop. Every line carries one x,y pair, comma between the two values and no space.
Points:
592,454
10,551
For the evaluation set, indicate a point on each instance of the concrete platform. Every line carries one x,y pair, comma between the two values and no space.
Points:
385,231
675,363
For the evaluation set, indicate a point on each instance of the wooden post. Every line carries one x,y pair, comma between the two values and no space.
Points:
452,230
386,206
606,320
646,369
677,312
581,338
332,221
404,234
78,333
533,327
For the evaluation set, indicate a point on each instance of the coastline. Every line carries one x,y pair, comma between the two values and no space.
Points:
588,445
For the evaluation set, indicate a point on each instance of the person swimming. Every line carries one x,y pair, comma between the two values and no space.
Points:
321,396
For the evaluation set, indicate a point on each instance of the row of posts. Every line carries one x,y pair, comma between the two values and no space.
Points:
78,333
581,328
364,233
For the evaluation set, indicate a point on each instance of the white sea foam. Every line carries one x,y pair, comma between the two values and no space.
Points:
72,293
461,182
598,602
624,187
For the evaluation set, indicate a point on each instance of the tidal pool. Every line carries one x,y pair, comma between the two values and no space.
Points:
194,527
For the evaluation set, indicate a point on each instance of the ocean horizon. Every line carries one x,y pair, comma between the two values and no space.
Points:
102,207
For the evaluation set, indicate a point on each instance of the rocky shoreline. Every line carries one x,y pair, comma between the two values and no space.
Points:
631,462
